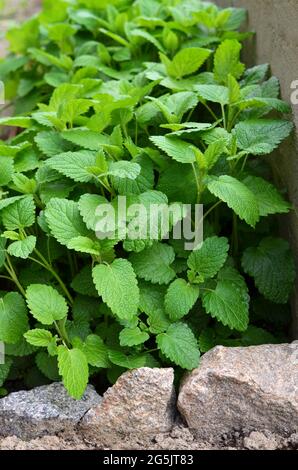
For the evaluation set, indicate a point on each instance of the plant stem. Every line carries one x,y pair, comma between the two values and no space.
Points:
10,269
212,209
224,116
49,268
197,181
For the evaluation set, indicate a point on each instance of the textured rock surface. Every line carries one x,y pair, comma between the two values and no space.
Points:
251,389
43,410
141,402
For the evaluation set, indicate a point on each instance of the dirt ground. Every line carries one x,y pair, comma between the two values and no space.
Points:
180,438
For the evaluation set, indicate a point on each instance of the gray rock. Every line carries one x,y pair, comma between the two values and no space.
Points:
142,401
259,441
242,389
44,410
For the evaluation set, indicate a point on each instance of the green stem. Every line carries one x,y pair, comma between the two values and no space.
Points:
224,116
49,268
197,181
10,269
61,333
210,111
211,209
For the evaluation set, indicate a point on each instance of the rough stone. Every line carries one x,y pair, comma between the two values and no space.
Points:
44,410
142,402
237,389
259,441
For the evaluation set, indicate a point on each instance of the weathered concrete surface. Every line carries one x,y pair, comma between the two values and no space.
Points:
44,410
275,24
242,389
141,402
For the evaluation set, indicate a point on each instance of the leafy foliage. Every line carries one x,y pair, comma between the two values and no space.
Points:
147,100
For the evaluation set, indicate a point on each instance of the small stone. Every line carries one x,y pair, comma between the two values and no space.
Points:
142,402
253,388
44,410
259,441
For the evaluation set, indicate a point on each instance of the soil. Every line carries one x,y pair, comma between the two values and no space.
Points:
180,438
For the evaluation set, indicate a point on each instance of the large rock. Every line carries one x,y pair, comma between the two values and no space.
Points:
242,389
44,410
142,401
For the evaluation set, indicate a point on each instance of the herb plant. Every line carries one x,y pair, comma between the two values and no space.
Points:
148,100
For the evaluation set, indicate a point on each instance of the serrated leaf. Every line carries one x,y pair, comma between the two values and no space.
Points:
74,165
177,149
84,245
269,199
22,248
13,318
88,205
38,337
64,220
96,352
46,304
2,251
132,337
85,138
154,264
272,267
117,285
261,137
51,143
180,298
228,304
128,362
83,283
73,367
237,196
124,169
213,93
7,170
48,365
19,214
186,61
213,152
227,60
179,345
210,258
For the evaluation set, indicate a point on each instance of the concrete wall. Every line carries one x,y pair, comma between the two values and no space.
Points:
276,42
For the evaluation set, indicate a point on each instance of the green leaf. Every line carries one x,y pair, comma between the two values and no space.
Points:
117,285
132,337
261,137
74,165
177,149
46,304
179,345
186,61
4,370
237,196
2,251
64,220
128,362
13,318
51,143
124,169
269,199
22,248
48,365
154,264
96,352
214,151
227,302
180,298
73,367
88,205
20,214
85,138
272,267
7,170
39,337
83,283
227,61
213,93
210,258
84,245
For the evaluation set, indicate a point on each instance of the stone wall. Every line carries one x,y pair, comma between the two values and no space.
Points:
276,43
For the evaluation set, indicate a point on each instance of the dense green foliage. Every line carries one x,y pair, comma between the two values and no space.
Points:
149,100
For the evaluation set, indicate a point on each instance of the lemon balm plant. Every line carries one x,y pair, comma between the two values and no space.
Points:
147,100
